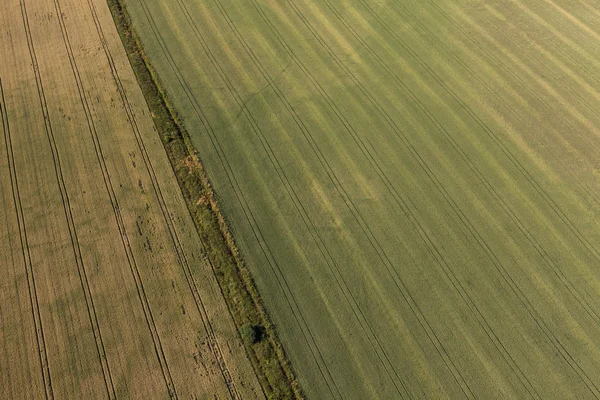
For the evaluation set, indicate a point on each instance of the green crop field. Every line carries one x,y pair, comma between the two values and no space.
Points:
414,185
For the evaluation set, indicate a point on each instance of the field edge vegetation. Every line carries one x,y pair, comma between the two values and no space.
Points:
252,321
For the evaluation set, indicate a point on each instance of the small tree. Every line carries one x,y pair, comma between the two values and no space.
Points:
252,333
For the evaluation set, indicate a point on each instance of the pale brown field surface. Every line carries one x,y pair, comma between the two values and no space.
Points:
105,290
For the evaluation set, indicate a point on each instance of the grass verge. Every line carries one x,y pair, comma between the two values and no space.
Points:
251,319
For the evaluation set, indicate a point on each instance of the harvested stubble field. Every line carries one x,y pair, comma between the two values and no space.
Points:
413,184
106,290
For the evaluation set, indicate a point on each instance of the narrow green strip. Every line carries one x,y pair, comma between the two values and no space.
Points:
260,340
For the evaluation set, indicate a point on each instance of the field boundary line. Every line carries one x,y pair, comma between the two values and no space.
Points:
206,215
266,146
292,302
182,259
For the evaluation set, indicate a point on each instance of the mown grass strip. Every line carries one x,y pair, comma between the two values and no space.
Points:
251,319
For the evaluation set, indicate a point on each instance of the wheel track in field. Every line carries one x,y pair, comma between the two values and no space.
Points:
557,33
466,67
591,9
497,60
571,44
559,49
116,210
540,80
108,380
182,259
536,77
257,232
91,312
477,236
327,257
31,285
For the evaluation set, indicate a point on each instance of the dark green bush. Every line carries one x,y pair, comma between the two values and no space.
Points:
253,333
